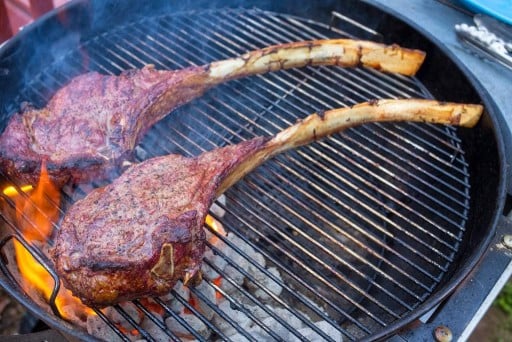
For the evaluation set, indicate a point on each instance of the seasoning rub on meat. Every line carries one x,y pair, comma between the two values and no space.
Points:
142,233
91,125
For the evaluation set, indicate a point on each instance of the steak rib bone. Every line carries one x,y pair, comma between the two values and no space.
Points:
142,233
92,125
341,52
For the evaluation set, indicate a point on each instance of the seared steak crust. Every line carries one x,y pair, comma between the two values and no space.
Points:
147,231
91,125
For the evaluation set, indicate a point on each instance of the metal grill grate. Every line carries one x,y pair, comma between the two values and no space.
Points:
361,227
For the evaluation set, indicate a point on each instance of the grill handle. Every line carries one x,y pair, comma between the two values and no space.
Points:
322,124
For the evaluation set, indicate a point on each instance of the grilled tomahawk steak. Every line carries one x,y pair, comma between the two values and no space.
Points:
90,126
142,233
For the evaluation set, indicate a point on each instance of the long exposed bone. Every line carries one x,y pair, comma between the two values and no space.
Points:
342,52
116,243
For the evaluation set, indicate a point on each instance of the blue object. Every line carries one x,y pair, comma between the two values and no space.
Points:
499,9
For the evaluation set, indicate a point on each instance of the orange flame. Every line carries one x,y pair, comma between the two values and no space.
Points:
36,214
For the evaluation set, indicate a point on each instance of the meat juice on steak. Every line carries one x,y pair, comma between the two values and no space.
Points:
142,233
91,125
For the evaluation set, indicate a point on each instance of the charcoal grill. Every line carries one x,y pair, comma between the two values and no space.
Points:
368,230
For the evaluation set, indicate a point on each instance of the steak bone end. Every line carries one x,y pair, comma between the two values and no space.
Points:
164,267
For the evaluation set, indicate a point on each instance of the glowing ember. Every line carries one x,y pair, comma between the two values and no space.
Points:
125,331
218,282
152,306
193,303
36,212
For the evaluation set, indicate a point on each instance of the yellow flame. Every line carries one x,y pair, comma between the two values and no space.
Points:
36,215
216,226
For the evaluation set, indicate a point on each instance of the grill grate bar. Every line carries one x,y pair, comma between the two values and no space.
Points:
112,326
36,93
449,135
433,212
140,62
413,143
170,52
182,321
221,314
117,55
453,153
400,86
301,281
134,324
307,268
72,69
294,276
353,239
28,204
240,307
237,305
332,253
406,197
429,181
359,146
380,213
156,321
97,57
388,208
275,279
